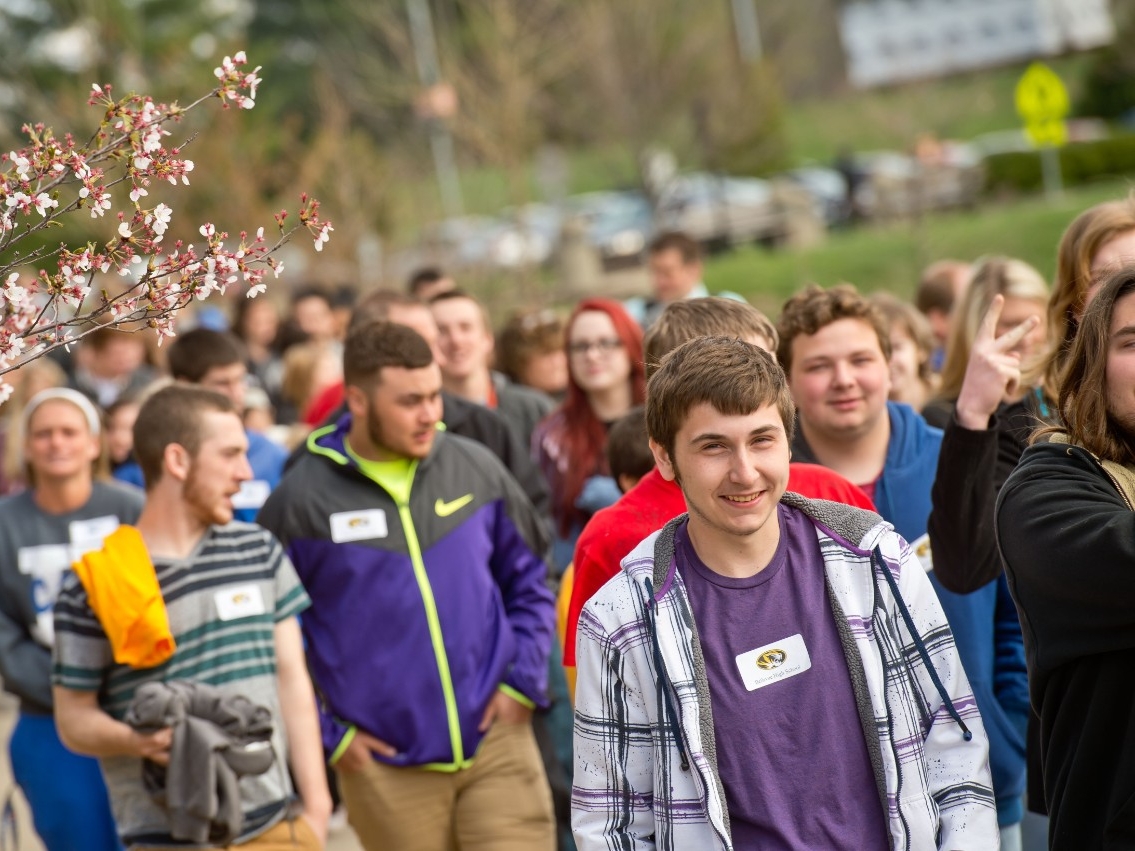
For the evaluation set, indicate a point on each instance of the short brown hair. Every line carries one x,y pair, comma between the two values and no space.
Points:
674,240
370,348
703,317
173,415
734,376
628,447
904,315
814,308
193,354
454,294
937,288
375,307
526,335
422,278
1083,407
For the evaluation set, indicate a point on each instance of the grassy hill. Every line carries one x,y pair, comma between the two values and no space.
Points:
958,107
890,257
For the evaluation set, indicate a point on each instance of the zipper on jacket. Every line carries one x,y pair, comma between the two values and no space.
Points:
436,637
1116,485
437,640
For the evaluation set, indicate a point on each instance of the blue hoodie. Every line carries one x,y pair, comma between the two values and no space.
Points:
984,622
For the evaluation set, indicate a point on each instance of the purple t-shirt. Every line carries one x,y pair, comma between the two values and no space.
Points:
790,746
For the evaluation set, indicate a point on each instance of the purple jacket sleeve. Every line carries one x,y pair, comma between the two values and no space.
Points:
520,571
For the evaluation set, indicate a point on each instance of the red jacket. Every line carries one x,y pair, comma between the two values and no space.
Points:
616,530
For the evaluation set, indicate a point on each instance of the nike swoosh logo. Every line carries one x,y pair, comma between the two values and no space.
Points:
444,509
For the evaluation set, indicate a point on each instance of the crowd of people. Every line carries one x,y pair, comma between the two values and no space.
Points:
654,574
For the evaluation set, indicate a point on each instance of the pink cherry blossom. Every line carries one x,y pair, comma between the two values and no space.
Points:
54,176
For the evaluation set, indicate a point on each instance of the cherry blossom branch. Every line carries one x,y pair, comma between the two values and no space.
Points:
54,177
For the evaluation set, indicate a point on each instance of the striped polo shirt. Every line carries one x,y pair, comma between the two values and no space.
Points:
223,602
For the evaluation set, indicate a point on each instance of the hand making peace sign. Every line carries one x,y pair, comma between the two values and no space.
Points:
994,369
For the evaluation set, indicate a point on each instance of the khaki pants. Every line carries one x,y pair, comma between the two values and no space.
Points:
500,803
286,836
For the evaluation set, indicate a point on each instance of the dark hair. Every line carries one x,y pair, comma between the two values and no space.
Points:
628,447
422,278
733,376
345,295
193,354
459,294
242,308
173,415
674,240
814,308
684,320
936,287
370,348
312,291
526,335
1083,394
100,338
375,307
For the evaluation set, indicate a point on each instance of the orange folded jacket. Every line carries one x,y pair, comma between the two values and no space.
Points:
123,591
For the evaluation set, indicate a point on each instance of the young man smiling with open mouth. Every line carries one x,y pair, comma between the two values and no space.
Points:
768,671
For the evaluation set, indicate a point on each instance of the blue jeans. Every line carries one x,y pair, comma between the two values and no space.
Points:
65,791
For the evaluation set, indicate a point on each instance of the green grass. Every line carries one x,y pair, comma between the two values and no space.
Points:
890,257
957,107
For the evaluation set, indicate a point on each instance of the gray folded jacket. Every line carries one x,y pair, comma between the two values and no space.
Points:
216,740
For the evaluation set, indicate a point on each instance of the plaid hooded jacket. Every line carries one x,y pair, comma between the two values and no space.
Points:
645,751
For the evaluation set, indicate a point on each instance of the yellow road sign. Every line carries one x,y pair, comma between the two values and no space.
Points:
1051,132
1042,101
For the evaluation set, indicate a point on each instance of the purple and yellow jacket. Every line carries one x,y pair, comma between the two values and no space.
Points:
420,609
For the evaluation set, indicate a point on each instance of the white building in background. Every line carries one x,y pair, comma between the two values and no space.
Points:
891,41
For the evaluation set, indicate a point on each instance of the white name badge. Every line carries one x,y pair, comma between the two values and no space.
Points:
239,601
87,535
358,525
774,662
252,494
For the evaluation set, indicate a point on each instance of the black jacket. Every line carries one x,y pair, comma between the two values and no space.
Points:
972,467
520,407
478,423
1067,538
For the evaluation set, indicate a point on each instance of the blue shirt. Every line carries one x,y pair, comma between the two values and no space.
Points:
790,747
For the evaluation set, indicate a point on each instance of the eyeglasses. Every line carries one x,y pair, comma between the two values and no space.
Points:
604,346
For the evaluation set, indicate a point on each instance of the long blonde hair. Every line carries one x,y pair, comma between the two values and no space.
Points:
1082,240
991,276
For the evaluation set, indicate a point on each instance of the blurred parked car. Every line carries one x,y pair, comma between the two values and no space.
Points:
619,224
720,211
525,236
828,190
897,185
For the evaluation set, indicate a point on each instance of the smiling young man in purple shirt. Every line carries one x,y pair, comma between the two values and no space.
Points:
768,671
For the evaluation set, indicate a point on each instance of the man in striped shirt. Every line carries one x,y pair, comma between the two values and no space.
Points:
231,598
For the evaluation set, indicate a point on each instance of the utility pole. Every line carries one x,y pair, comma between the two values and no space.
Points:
429,75
748,31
